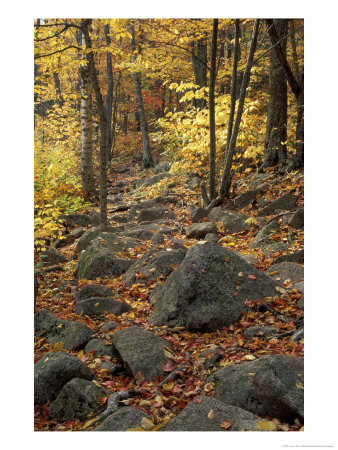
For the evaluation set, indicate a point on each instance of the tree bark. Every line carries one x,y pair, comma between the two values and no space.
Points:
212,149
109,99
147,159
87,171
199,61
85,24
226,178
298,90
276,126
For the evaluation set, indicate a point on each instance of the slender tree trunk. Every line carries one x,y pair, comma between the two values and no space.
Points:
87,171
276,126
147,159
115,106
109,99
226,178
212,149
57,84
85,24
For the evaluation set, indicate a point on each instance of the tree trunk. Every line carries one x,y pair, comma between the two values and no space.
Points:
199,61
115,106
147,159
85,23
276,126
87,171
212,149
226,178
109,99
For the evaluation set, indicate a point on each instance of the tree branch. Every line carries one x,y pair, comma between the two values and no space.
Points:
57,51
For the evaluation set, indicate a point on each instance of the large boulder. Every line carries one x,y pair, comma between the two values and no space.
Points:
141,351
96,306
153,264
233,221
200,230
74,335
68,239
286,271
198,214
124,419
156,179
93,290
209,289
75,219
151,214
259,331
270,386
194,417
285,203
50,256
91,234
136,209
162,167
76,400
246,198
146,231
103,258
100,348
53,371
297,257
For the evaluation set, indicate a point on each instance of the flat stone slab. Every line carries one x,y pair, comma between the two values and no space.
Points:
194,417
284,203
125,418
270,386
259,331
98,305
141,351
93,290
74,334
234,222
209,289
53,371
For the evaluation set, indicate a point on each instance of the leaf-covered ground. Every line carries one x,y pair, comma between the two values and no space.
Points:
164,401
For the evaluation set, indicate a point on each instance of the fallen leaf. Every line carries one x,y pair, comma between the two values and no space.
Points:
169,367
265,425
252,277
211,414
169,386
147,424
249,357
299,385
168,354
225,424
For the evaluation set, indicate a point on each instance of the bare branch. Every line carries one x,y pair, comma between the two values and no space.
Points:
57,51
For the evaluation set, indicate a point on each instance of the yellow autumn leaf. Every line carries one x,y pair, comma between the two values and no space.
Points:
299,385
211,414
147,424
169,386
265,425
89,422
249,357
168,354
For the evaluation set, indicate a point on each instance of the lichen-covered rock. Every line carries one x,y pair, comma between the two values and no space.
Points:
76,400
141,351
297,221
93,290
194,417
262,239
286,271
284,203
98,305
206,291
53,371
233,221
74,335
270,386
199,230
124,419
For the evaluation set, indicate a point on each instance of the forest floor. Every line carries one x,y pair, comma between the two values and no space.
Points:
229,339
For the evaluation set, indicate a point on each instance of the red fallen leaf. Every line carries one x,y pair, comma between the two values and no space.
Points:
252,277
196,400
169,367
176,389
103,400
189,381
109,384
234,294
225,424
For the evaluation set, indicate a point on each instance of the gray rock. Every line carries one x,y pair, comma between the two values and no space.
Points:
109,325
211,237
199,230
259,331
155,179
145,231
102,257
162,167
121,168
50,256
178,244
246,198
286,271
297,220
300,303
136,209
151,214
36,288
111,368
198,214
75,219
194,417
74,334
100,348
270,386
95,218
125,418
91,234
118,218
299,286
250,259
297,257
68,239
203,294
53,371
141,351
284,203
93,290
233,221
152,265
298,335
98,305
194,182
157,239
76,400
263,241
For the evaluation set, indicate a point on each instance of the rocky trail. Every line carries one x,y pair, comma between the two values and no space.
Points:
176,318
